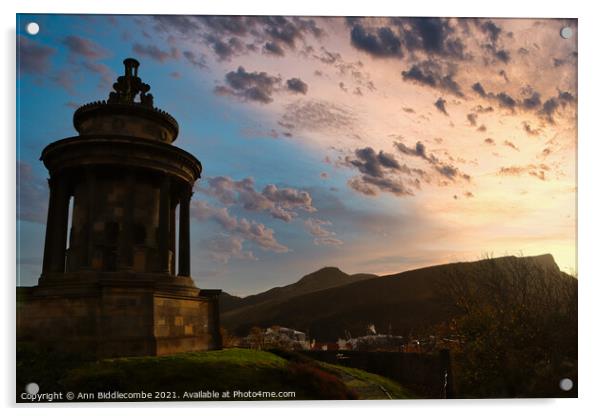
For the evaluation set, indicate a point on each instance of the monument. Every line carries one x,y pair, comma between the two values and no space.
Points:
116,270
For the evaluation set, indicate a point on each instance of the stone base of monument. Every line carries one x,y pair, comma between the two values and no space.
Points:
118,314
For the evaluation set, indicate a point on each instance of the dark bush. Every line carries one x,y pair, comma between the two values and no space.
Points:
320,384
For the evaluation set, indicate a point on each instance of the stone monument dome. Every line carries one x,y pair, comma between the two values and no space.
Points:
129,110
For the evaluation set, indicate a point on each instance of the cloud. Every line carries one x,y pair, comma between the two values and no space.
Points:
480,109
318,115
478,88
322,235
503,99
288,198
378,170
287,31
430,73
65,79
530,130
472,118
249,86
225,49
32,195
186,25
358,184
440,104
382,43
252,231
373,164
327,57
502,55
280,203
83,55
431,36
511,145
84,47
551,106
531,103
154,52
370,185
228,25
419,150
229,36
33,57
106,74
297,86
194,60
224,247
493,32
537,171
273,48
447,170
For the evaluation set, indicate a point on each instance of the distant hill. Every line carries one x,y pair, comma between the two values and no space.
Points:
401,303
325,278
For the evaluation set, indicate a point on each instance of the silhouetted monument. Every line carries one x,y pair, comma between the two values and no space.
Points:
109,283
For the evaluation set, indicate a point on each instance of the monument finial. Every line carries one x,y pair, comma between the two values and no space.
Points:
129,85
131,63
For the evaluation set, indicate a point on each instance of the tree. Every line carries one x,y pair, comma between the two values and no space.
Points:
256,338
228,340
519,322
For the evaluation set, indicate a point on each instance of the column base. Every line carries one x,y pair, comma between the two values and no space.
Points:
117,317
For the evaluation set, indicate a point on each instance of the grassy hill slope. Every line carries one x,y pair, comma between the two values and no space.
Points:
227,370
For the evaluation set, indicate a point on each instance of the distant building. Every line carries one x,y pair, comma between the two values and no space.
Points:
377,342
287,337
277,337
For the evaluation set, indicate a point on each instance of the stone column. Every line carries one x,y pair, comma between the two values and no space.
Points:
56,227
87,243
126,243
50,226
184,248
163,234
172,236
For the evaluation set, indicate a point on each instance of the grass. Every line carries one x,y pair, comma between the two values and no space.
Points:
226,370
222,371
370,386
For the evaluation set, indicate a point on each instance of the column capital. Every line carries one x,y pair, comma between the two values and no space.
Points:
186,194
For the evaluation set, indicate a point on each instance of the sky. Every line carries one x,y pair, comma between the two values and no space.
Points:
372,144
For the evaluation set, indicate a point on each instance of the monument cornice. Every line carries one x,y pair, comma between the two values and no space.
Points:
122,151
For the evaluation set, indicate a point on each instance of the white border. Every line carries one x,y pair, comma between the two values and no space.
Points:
588,212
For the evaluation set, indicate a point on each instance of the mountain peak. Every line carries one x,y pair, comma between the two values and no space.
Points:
545,261
328,272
